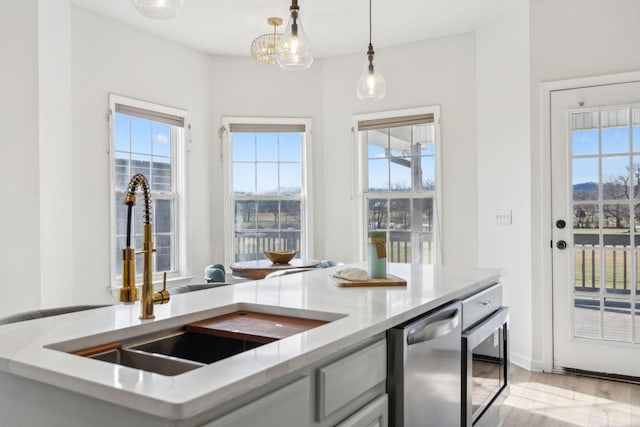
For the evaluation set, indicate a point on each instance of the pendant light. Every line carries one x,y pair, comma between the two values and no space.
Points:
371,84
158,9
294,50
263,48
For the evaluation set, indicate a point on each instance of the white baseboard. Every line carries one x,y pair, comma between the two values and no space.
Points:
526,362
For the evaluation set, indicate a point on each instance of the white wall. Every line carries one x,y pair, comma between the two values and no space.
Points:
112,58
56,156
437,72
504,175
19,158
570,39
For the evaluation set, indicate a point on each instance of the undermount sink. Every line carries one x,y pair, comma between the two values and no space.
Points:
179,349
201,348
176,353
157,363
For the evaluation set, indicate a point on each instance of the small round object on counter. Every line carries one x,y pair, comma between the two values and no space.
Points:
282,257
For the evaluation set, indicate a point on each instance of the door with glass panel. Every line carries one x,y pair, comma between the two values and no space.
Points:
595,149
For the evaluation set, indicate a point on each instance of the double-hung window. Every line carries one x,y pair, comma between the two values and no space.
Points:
399,181
148,139
268,186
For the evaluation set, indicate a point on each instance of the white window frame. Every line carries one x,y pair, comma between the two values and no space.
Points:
180,159
306,226
360,182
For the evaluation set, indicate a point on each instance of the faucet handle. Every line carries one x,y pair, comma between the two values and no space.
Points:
163,296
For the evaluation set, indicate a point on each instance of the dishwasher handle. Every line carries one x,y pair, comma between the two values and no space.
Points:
434,326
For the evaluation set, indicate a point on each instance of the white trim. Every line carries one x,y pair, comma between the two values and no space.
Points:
434,109
119,99
544,198
523,362
181,180
307,187
357,193
360,171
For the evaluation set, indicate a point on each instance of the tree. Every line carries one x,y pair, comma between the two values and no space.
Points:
620,188
271,206
377,214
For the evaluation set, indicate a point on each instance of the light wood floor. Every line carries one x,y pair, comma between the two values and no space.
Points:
554,400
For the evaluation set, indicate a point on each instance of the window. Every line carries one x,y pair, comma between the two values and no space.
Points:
268,187
399,165
148,139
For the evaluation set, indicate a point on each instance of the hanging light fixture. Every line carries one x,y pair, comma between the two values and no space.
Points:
263,48
371,84
158,9
294,49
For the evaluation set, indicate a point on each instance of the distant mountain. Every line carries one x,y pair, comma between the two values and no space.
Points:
585,187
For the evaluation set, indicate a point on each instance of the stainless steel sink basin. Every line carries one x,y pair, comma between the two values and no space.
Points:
173,352
197,347
160,364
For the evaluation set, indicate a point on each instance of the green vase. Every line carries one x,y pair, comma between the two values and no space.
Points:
377,245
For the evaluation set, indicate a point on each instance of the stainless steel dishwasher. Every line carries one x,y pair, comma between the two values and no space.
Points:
424,380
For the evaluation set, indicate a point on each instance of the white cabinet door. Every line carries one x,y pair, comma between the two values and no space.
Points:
375,414
288,406
344,380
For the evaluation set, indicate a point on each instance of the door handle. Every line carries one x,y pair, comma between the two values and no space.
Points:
434,328
561,244
486,328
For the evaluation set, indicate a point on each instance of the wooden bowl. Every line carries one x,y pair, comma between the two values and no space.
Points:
282,257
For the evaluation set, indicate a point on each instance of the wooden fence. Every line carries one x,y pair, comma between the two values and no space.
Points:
617,263
250,246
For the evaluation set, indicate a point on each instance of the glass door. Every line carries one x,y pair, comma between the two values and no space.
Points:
596,228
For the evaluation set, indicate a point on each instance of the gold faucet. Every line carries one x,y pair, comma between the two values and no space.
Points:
129,292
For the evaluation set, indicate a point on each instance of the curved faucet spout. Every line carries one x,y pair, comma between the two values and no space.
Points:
128,293
139,181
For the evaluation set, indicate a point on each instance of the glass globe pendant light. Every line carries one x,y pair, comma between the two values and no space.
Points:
371,85
294,49
158,9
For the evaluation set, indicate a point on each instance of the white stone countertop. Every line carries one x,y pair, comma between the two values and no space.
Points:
366,310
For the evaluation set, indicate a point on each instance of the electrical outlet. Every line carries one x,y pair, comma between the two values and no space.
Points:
503,216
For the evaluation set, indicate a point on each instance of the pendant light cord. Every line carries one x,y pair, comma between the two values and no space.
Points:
369,21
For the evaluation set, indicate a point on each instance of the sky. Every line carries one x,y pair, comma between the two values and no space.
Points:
616,155
275,157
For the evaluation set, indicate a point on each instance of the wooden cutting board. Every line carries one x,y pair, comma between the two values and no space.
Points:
254,327
390,280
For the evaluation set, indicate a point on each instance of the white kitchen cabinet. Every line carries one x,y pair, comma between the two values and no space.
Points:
287,406
348,387
351,376
375,414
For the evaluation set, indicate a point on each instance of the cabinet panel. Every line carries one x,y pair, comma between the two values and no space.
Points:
375,414
480,305
288,406
348,378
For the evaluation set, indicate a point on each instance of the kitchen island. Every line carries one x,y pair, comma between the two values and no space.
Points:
42,385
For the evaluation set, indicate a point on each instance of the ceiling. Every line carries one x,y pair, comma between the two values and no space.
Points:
334,27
